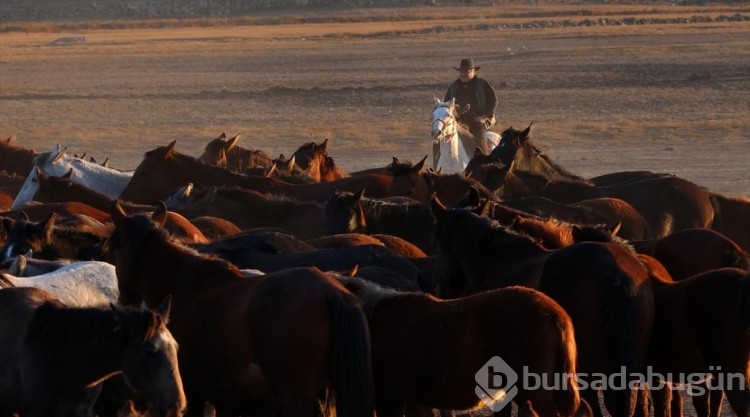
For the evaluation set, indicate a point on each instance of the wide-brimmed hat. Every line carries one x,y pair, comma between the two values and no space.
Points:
467,63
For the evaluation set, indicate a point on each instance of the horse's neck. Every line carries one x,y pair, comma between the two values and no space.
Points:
167,268
453,157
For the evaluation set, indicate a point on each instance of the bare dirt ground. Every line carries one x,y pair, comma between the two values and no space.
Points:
667,97
663,97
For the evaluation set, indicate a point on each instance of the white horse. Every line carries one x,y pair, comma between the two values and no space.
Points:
80,284
452,142
108,181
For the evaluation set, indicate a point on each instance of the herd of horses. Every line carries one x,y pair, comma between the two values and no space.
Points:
244,285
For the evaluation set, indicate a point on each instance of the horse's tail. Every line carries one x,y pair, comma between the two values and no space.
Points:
349,367
743,304
618,309
566,400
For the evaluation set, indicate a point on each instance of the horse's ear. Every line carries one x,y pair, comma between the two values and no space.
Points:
164,308
117,213
49,226
438,209
352,272
159,216
187,190
222,136
170,147
324,145
361,194
59,155
271,170
91,159
68,175
615,229
473,199
526,132
292,162
436,101
484,209
419,166
105,164
231,143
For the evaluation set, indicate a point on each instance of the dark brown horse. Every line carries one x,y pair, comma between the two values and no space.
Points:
702,327
348,212
249,209
426,351
163,171
54,359
475,255
732,218
312,158
15,159
248,345
225,153
415,182
667,202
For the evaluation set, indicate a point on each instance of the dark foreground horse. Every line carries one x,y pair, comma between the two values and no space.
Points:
270,344
426,351
702,327
53,359
603,287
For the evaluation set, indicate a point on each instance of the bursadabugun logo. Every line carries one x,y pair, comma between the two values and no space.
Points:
496,384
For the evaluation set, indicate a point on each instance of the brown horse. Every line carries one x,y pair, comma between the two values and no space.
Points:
163,171
262,345
225,153
732,218
476,255
667,202
347,212
54,359
249,209
413,182
15,159
418,341
312,158
702,326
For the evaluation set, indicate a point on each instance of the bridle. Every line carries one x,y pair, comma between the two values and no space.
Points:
445,127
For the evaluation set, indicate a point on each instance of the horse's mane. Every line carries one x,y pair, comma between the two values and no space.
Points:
379,208
150,230
552,170
53,323
370,293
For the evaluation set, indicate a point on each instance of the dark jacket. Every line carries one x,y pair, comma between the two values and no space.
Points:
478,93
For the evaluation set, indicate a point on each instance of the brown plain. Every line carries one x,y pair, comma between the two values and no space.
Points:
664,97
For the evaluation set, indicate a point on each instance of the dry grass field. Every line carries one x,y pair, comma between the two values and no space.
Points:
663,97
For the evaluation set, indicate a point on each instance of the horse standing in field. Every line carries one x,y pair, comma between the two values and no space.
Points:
312,158
417,340
475,254
15,159
453,143
267,344
108,181
347,212
54,358
163,171
225,153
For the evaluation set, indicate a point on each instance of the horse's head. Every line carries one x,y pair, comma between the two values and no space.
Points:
444,124
23,236
344,213
450,281
215,152
126,245
511,140
149,359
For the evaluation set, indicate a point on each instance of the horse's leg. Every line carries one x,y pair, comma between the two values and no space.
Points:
620,403
592,397
700,401
739,400
642,406
676,403
662,399
716,398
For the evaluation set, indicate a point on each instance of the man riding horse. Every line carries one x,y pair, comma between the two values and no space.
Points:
477,100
